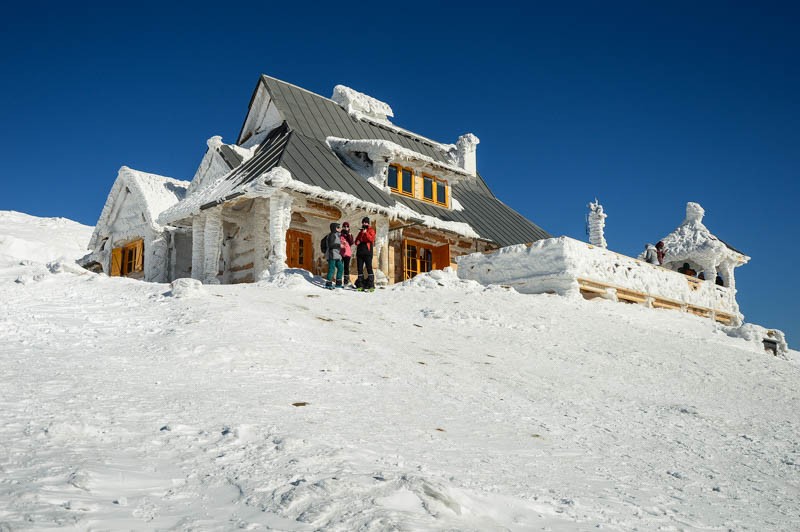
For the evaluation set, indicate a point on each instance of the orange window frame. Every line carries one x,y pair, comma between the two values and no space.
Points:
399,188
435,182
419,257
127,259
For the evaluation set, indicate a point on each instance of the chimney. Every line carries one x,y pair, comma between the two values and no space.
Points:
466,146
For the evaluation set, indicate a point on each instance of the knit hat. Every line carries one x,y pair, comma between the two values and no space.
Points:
346,225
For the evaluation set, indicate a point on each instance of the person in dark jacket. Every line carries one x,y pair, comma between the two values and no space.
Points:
365,242
334,257
347,250
687,270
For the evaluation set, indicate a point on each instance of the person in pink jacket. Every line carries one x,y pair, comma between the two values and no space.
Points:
347,250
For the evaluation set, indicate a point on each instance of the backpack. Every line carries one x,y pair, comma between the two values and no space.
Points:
323,244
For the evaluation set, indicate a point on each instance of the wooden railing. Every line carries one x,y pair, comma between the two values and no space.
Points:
591,289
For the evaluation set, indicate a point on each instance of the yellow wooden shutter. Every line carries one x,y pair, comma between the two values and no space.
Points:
139,256
116,262
441,257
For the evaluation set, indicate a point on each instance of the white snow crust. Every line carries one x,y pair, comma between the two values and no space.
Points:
385,149
556,264
693,242
152,194
358,104
437,404
34,239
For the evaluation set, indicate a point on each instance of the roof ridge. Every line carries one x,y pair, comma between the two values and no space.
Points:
391,127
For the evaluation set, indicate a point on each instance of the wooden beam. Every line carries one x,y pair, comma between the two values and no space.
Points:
321,210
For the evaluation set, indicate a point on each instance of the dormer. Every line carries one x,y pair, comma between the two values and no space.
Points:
399,170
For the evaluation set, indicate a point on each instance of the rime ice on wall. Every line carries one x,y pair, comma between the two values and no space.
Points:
556,264
597,223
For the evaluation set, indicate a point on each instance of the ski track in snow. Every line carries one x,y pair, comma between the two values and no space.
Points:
437,405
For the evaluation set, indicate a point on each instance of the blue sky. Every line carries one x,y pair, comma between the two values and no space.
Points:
643,106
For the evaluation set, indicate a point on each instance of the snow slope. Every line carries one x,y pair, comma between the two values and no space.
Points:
434,405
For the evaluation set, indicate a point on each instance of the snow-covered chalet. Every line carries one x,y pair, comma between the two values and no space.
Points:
301,161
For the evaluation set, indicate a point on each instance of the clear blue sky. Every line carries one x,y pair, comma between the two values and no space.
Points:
644,106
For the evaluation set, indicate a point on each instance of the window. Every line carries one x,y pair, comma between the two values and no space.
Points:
128,260
441,192
434,190
427,187
420,258
401,179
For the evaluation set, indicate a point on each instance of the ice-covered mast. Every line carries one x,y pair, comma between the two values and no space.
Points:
597,223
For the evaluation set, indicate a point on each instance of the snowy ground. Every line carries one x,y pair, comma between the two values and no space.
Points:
439,405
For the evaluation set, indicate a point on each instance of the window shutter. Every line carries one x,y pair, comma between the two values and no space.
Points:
116,262
139,256
441,257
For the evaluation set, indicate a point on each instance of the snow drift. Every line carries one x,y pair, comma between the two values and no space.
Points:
437,404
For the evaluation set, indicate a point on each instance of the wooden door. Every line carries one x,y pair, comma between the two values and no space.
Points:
299,249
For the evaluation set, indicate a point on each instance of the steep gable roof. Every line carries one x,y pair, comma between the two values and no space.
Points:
154,193
299,145
318,118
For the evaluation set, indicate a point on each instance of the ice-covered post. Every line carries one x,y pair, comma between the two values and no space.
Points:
198,245
213,245
280,216
597,223
381,170
260,229
381,248
155,261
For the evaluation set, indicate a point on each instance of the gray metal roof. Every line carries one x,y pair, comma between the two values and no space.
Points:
299,145
488,216
317,117
229,155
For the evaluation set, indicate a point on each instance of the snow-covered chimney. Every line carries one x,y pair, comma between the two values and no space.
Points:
359,104
694,213
214,142
466,146
597,224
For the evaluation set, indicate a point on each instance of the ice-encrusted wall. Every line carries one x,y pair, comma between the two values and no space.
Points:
556,264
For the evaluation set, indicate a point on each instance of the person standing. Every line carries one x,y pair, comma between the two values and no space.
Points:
651,254
347,251
334,256
365,242
661,252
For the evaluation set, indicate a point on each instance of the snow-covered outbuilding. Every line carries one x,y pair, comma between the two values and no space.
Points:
128,240
302,161
693,245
